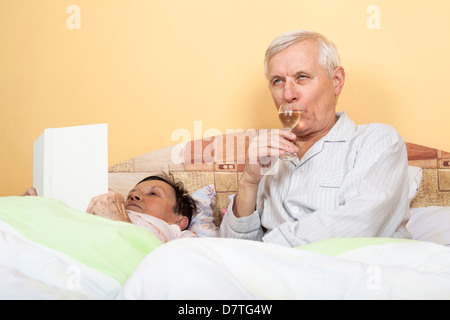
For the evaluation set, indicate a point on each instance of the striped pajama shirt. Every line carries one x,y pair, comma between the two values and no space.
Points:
351,183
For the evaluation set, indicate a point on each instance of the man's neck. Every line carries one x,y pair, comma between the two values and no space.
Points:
304,143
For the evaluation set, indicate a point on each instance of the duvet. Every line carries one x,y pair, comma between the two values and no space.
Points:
50,251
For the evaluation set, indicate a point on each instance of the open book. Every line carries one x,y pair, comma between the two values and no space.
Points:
71,164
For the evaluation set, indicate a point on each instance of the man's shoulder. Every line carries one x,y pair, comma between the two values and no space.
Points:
348,129
377,131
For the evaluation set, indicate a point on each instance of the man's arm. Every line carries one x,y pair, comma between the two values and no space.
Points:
244,203
260,156
374,199
241,220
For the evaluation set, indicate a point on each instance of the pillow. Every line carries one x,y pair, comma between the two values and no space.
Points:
202,221
415,178
111,247
430,224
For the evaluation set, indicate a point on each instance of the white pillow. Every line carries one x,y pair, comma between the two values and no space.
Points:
415,178
430,224
202,221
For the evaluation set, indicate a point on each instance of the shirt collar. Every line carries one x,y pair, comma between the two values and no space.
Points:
343,129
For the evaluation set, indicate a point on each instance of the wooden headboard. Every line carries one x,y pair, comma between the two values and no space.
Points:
435,187
220,161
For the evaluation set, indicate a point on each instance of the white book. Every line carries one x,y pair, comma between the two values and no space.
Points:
71,164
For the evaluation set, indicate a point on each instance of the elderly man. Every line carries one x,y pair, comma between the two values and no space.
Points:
348,180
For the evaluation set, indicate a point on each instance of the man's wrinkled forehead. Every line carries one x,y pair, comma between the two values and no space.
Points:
300,55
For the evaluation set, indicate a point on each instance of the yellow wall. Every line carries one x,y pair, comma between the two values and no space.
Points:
149,67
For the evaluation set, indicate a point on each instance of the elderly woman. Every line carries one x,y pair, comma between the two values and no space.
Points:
158,203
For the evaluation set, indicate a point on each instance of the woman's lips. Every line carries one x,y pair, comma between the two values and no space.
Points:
134,205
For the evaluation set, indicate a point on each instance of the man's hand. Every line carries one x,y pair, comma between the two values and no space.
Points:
110,205
264,150
30,192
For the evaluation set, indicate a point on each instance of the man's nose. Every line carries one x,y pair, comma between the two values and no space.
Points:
290,90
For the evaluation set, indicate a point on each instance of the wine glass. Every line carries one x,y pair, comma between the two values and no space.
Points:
289,115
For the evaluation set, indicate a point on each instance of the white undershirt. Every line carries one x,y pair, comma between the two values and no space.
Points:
160,229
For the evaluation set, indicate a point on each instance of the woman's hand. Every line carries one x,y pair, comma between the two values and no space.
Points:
110,205
30,192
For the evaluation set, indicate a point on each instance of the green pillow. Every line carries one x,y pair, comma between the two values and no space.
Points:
337,246
112,247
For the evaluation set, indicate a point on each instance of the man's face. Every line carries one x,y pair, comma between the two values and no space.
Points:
155,198
295,75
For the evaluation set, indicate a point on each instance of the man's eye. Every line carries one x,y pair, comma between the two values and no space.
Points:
302,77
276,82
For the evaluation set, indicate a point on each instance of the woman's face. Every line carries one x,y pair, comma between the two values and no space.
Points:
155,198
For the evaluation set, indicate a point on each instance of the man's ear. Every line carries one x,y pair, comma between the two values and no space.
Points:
339,79
183,223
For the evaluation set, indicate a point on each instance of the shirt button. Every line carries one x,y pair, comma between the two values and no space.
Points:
295,209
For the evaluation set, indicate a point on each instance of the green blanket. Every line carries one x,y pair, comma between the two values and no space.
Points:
334,247
112,247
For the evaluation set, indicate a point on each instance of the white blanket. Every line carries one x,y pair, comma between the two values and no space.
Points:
29,270
214,268
240,269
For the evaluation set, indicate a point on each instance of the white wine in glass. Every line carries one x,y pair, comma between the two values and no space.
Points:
289,115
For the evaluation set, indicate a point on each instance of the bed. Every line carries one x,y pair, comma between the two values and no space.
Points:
51,251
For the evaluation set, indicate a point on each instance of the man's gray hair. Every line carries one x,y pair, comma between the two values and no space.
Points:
328,53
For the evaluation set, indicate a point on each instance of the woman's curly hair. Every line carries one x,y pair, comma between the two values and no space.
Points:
184,203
